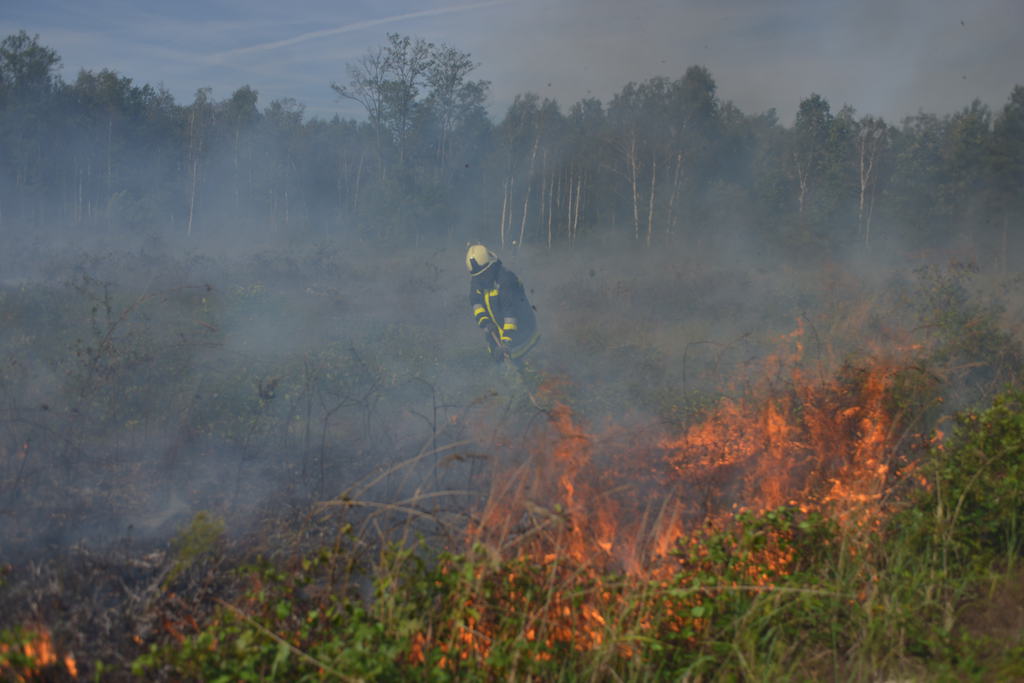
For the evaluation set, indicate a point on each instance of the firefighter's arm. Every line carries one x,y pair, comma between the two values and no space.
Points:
480,311
483,320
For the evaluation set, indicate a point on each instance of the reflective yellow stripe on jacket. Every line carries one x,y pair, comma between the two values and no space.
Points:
487,302
480,313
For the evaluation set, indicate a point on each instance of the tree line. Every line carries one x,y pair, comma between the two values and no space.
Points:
663,159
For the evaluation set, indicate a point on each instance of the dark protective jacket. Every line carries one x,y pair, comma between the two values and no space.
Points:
500,305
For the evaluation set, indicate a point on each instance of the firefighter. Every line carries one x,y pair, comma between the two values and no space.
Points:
500,306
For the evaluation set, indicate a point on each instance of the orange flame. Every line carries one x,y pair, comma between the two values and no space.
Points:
43,655
625,502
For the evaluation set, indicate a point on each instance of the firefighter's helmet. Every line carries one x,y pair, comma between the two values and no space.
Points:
479,258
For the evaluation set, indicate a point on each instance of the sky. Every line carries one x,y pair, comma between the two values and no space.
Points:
890,58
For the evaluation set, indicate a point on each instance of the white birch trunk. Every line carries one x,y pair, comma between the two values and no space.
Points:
650,201
676,182
633,173
576,212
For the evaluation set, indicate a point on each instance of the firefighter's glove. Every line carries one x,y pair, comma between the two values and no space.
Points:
499,352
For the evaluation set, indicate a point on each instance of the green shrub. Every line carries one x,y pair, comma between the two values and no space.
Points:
976,498
969,348
201,536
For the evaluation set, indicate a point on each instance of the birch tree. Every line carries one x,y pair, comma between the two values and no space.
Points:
872,142
453,100
368,79
809,152
200,118
28,81
1008,167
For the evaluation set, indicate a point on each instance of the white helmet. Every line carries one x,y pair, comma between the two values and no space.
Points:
479,258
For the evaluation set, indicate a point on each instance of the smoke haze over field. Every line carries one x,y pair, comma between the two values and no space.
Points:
220,302
209,301
141,387
884,58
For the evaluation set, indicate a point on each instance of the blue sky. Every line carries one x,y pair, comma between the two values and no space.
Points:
885,57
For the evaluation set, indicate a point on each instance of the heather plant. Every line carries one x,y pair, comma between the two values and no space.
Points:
969,347
200,537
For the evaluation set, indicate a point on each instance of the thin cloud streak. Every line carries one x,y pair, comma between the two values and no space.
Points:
357,26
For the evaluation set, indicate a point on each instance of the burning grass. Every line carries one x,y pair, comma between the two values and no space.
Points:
28,654
623,501
625,544
784,533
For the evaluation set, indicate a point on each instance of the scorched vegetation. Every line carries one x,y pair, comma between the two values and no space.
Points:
238,470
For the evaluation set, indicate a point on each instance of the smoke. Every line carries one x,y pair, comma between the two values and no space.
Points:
147,374
142,386
885,59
